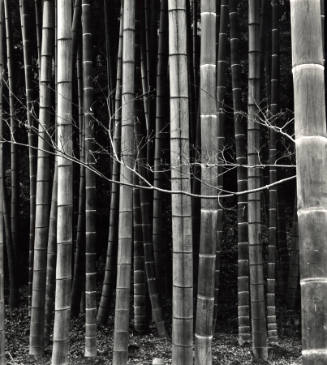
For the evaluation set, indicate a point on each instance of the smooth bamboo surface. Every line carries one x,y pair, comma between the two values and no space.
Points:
209,180
125,227
311,146
65,184
182,326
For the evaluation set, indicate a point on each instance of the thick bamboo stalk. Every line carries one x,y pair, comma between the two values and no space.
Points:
182,327
90,184
243,308
209,208
271,275
311,143
109,276
257,295
24,19
42,185
13,127
125,228
65,184
51,258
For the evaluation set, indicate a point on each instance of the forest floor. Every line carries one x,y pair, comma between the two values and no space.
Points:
143,348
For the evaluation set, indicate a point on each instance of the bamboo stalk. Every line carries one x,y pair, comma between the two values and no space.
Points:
160,144
42,185
182,326
243,308
311,142
79,254
90,184
2,278
13,147
222,70
65,183
51,259
24,19
125,228
257,296
271,275
139,284
109,276
209,208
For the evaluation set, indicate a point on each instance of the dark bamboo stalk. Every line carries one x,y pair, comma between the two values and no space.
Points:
109,276
243,308
257,295
271,275
25,18
79,254
13,135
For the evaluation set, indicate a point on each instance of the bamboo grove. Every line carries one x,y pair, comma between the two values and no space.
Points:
136,138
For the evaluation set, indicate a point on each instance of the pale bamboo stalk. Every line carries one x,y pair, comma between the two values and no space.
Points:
209,208
65,183
125,229
24,19
271,274
182,326
257,295
109,276
42,185
310,142
90,184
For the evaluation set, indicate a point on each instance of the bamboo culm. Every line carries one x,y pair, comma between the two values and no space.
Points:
209,208
42,185
90,184
65,184
125,227
257,295
311,143
182,326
